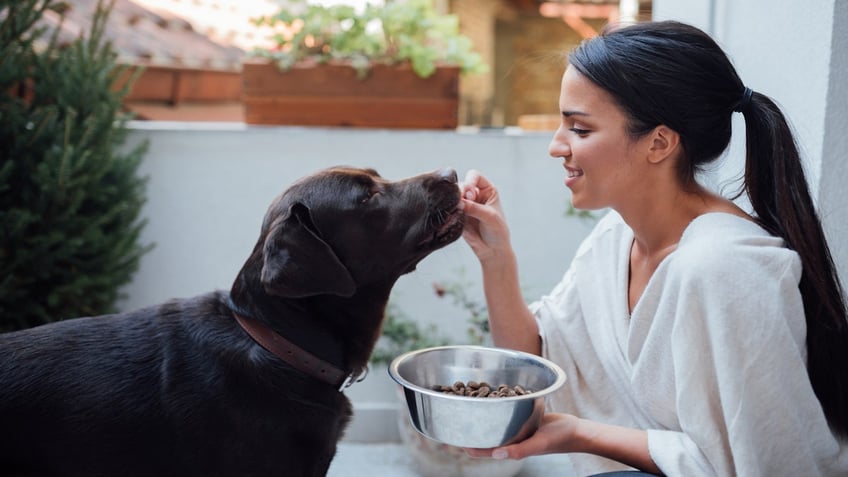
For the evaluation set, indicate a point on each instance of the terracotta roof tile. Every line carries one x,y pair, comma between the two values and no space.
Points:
173,32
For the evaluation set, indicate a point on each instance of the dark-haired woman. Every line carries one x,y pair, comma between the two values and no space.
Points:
699,339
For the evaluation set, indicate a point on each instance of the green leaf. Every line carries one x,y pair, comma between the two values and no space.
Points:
398,32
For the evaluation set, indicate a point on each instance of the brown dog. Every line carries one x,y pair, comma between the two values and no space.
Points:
246,383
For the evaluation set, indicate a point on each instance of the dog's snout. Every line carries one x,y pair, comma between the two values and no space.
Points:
447,174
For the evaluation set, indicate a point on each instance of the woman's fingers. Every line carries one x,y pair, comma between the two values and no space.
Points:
515,451
477,188
469,186
476,209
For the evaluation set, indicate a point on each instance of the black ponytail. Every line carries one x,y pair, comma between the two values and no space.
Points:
674,74
780,196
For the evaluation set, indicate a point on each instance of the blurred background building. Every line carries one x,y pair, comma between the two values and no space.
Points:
192,51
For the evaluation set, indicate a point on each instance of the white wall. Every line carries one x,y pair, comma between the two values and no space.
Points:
209,188
833,192
794,53
208,191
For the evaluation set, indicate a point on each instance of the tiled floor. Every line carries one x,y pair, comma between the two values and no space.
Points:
392,460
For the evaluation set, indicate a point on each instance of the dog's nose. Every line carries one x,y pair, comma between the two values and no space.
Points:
447,174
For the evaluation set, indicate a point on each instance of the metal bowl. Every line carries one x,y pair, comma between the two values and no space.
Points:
474,422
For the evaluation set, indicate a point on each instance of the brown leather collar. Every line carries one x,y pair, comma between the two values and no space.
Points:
296,356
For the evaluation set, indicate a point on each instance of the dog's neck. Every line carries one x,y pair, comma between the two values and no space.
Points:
296,356
311,350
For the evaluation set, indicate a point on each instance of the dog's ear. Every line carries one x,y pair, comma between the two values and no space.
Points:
298,263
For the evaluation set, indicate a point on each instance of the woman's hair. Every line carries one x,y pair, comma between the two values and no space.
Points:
674,74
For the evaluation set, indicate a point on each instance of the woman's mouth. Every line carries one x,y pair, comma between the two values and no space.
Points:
572,175
572,171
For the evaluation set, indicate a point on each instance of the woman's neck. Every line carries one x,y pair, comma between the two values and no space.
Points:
659,223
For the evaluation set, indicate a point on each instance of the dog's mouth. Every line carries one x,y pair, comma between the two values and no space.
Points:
448,227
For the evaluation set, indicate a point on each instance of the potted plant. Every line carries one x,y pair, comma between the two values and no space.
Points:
395,66
401,334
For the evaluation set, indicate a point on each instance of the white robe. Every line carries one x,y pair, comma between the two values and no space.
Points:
711,362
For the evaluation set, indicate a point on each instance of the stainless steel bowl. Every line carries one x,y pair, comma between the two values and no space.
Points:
474,422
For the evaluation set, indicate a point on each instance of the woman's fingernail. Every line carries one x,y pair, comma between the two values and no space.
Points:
469,195
499,454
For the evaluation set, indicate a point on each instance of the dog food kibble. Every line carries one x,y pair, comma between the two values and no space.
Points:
483,390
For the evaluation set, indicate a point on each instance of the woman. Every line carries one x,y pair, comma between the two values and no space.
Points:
698,339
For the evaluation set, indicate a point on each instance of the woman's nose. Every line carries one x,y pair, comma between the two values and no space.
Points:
559,146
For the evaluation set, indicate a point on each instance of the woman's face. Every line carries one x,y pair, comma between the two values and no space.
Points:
601,159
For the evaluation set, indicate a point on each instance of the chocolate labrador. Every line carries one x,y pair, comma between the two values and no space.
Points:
241,383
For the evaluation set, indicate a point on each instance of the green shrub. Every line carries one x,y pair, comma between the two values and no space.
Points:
70,196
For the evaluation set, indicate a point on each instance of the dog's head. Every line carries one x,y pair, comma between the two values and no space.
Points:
342,229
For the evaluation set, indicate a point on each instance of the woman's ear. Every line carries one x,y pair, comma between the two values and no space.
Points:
664,143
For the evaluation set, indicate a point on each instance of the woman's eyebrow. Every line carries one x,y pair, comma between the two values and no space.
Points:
574,113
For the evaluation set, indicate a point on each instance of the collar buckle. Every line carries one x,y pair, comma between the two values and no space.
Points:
352,379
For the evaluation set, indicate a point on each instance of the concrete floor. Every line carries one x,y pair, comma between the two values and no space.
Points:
392,460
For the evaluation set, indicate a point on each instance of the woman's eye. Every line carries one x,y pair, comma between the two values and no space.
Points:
578,131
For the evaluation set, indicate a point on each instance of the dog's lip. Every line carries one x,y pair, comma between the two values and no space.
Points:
444,230
451,228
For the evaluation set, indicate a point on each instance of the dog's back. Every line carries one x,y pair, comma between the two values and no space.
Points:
101,396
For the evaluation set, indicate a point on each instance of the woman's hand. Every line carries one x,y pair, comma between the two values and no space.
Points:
485,230
555,435
563,433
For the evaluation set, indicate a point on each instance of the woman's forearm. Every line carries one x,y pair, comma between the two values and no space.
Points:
512,324
623,444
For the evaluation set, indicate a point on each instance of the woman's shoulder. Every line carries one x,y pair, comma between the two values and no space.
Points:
721,229
733,275
726,241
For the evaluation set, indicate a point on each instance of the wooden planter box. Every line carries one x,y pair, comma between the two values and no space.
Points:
332,95
176,85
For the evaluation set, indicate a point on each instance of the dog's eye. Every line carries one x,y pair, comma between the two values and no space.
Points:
371,194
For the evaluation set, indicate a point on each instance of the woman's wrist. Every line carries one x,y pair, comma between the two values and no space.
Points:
583,438
500,280
623,444
499,262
